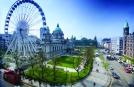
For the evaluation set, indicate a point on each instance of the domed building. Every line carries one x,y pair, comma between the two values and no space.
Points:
58,33
55,43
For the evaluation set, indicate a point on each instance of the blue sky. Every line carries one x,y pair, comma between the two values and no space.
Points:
86,18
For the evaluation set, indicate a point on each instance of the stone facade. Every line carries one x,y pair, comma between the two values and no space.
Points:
128,41
54,43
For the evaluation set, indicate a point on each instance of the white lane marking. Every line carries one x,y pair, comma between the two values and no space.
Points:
119,80
128,82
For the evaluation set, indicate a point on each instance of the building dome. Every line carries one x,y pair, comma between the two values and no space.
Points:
126,25
57,28
47,28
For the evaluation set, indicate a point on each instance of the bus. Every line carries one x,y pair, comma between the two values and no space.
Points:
11,77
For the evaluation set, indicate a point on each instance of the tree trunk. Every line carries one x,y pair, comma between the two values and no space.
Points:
42,68
78,72
54,73
32,69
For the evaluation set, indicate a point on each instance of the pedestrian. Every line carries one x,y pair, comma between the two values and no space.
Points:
94,84
98,64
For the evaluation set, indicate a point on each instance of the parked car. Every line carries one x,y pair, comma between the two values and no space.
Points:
119,61
128,69
115,75
111,68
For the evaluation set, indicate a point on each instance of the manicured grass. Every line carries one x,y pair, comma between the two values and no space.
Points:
9,55
61,76
83,50
67,61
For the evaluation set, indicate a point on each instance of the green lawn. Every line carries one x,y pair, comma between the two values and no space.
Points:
83,50
9,55
61,76
67,61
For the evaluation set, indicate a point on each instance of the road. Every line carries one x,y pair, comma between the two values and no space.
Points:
4,83
125,78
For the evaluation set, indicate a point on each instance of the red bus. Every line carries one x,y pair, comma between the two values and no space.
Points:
11,77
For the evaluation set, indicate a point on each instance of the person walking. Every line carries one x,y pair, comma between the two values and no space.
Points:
94,84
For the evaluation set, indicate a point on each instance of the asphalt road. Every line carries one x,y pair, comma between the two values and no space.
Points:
125,78
4,83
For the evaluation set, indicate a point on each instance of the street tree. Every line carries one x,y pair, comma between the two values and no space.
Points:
15,55
105,65
33,60
41,60
71,79
77,62
55,62
102,58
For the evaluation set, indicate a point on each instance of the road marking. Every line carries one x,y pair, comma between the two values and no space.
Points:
119,80
128,82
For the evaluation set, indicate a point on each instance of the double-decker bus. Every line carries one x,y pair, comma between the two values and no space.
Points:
11,77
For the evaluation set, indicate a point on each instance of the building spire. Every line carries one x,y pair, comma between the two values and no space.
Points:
126,25
57,24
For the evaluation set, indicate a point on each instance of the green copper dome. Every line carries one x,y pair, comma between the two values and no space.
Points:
126,25
57,28
47,28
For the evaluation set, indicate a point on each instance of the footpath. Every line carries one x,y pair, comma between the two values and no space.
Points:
94,79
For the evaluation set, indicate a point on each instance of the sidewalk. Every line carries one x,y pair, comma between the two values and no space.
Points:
101,78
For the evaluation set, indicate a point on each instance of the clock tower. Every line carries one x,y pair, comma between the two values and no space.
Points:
126,29
125,34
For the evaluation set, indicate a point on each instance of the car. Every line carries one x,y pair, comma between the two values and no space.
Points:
115,75
111,68
119,61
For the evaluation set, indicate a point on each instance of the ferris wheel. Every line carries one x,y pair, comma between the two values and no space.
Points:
23,18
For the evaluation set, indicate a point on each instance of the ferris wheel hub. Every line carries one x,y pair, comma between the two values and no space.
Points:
22,26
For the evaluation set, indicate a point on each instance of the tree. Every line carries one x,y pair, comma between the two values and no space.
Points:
102,58
71,79
105,65
16,58
90,54
55,62
1,52
41,60
131,61
76,64
33,61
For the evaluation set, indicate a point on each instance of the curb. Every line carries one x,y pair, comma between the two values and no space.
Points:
28,84
111,80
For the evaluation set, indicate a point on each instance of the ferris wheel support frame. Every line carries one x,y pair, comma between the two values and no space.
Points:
20,39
